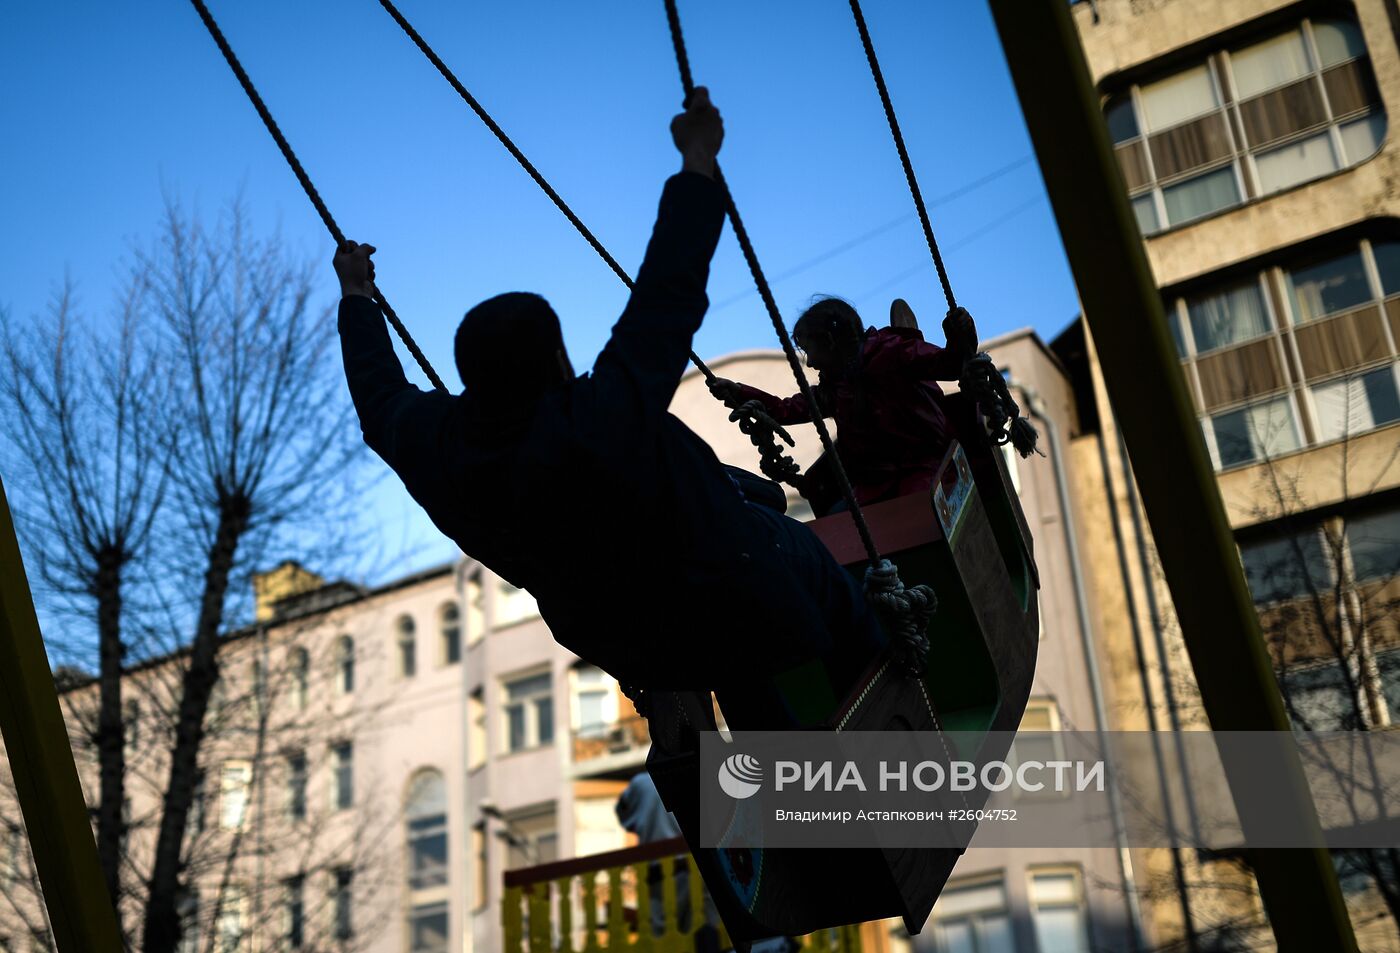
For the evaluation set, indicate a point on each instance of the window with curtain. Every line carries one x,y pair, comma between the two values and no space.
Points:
475,599
1263,115
1330,286
345,664
1356,403
594,697
1057,909
972,917
235,782
1227,317
450,629
408,647
513,605
1317,698
1257,432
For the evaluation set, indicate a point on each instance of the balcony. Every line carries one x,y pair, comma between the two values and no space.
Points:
617,748
592,904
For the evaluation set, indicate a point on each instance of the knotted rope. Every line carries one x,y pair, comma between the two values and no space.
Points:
307,187
904,612
983,383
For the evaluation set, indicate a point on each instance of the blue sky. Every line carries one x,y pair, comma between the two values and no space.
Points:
108,106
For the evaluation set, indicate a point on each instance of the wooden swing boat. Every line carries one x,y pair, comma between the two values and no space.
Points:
969,539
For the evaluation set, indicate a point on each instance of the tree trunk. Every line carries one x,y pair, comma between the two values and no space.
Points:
162,926
111,734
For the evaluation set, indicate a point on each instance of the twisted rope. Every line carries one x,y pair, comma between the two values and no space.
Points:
758,426
903,153
306,185
982,382
905,613
766,293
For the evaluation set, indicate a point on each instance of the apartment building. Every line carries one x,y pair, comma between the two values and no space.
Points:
1254,141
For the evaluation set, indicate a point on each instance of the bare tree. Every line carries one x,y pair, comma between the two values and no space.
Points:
84,408
168,457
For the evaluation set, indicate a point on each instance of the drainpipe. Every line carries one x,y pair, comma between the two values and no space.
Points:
1036,407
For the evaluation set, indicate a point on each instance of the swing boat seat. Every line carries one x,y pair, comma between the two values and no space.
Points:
968,538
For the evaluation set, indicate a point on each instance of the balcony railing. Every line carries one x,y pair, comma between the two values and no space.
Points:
603,903
611,741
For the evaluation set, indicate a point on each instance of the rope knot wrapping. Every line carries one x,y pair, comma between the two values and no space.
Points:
983,383
904,612
754,421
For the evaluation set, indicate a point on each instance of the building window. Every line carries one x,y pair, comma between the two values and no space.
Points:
408,647
1057,907
529,711
477,738
1356,403
230,927
199,815
341,904
480,870
531,837
1373,542
1038,739
450,627
187,909
1228,316
296,786
475,599
294,912
131,715
972,917
1317,698
1329,287
596,701
1290,567
1246,122
345,664
426,814
301,678
1257,432
513,605
234,782
343,779
427,928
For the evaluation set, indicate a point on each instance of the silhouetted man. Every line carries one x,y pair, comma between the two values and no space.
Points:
643,554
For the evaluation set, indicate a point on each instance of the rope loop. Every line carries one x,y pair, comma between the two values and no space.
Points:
984,384
904,612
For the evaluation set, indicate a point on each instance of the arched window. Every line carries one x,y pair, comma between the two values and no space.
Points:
345,662
408,647
425,814
301,677
450,625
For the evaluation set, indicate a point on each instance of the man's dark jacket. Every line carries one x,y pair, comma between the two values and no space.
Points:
622,523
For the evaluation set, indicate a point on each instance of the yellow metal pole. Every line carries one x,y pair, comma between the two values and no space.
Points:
1177,482
41,761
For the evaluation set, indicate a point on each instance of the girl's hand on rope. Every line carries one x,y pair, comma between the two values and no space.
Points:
355,270
960,332
698,133
724,390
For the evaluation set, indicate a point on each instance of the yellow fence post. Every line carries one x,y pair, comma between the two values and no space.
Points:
41,762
